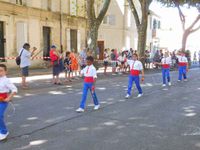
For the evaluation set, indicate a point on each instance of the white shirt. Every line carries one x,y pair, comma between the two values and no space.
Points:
182,59
135,65
25,58
122,58
166,60
106,56
89,71
6,86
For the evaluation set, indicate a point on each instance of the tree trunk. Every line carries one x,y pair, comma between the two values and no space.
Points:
92,38
142,31
184,39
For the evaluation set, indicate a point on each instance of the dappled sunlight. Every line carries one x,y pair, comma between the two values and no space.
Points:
37,142
32,144
68,108
190,114
54,119
101,88
90,105
68,86
192,131
68,131
147,125
17,96
70,89
56,93
189,111
147,85
110,99
25,125
32,118
83,129
103,102
79,93
28,94
165,89
121,100
121,127
110,123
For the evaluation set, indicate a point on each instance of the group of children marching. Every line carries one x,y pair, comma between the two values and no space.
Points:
8,90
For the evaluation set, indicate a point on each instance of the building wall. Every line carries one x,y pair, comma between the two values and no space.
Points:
25,24
122,34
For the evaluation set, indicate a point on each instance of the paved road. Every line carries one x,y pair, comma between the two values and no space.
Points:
163,119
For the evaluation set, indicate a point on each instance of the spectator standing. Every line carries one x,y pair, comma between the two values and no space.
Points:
83,56
113,61
54,55
25,62
106,59
68,69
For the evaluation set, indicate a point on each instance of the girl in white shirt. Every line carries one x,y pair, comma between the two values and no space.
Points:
90,76
5,96
135,68
166,61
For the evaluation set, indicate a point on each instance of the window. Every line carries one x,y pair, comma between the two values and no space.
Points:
105,20
112,19
159,26
20,2
109,20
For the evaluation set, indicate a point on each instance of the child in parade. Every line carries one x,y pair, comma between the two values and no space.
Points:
166,61
106,59
183,66
90,76
7,91
135,68
68,69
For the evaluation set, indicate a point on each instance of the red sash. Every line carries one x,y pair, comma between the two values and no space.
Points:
135,72
3,96
166,66
89,79
181,64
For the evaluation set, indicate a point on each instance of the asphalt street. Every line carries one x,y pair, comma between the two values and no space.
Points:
163,119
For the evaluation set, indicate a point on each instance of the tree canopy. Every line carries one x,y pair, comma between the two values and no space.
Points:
174,3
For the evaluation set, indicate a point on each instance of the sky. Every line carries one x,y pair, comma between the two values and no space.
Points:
170,19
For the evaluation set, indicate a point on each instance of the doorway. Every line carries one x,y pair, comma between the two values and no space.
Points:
73,40
2,41
46,41
100,45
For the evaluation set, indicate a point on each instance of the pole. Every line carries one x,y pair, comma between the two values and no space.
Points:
61,40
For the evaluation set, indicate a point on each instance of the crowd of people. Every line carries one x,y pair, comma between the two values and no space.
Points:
84,64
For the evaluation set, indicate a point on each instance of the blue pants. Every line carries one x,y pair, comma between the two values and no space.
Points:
3,106
165,73
182,72
137,83
87,86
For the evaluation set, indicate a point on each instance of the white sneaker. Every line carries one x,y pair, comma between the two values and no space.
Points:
127,96
96,107
3,136
179,80
169,83
80,110
163,85
139,95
